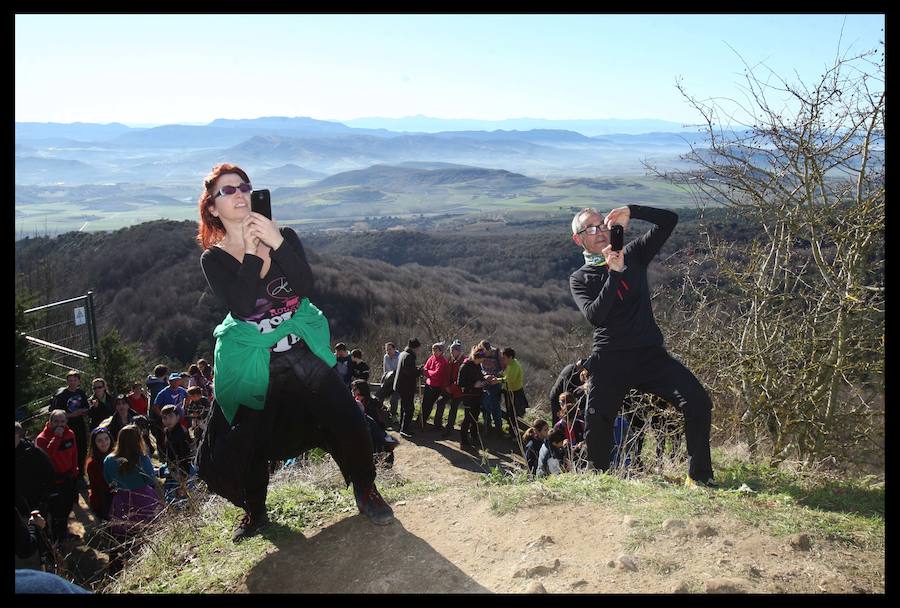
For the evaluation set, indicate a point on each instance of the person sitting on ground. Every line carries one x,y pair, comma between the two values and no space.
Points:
437,377
59,443
131,477
34,474
472,382
143,425
205,369
99,493
195,378
359,369
569,421
139,399
178,451
344,361
197,411
533,439
568,380
382,442
123,416
552,458
27,539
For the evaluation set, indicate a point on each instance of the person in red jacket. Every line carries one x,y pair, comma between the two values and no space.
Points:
58,442
437,377
456,394
99,494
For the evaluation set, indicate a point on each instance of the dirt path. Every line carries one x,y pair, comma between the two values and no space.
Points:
451,542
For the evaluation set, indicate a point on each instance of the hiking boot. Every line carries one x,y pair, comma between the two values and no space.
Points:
690,482
249,526
373,506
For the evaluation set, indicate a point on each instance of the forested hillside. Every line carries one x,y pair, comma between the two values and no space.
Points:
509,285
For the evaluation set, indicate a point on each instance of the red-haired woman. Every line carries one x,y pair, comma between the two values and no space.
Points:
276,394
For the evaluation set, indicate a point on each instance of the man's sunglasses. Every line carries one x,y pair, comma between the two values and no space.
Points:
228,190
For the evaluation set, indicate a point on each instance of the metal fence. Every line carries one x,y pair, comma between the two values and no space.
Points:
63,336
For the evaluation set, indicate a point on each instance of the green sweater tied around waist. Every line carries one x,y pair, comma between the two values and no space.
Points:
241,364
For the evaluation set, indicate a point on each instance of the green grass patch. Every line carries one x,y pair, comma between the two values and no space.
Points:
780,503
193,552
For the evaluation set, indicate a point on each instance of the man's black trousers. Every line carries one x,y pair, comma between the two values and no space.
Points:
650,370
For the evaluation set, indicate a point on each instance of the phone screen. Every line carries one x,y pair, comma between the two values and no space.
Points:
261,202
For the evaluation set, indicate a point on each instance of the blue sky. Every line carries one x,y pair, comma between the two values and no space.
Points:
160,69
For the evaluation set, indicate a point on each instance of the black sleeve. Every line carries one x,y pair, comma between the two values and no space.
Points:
645,247
595,309
561,381
44,473
238,291
292,259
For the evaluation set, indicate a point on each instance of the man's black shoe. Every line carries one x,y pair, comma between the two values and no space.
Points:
406,434
373,506
249,526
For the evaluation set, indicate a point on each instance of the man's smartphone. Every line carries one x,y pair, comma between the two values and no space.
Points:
616,237
261,202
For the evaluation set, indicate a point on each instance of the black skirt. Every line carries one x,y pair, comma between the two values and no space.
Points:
307,407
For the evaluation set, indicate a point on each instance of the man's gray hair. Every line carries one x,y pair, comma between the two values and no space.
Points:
578,221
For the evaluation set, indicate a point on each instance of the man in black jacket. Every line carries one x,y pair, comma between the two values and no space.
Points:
611,291
406,381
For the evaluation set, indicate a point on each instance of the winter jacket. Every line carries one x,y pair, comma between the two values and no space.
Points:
62,451
453,373
342,365
469,375
178,451
437,371
532,452
99,492
34,476
550,460
513,376
406,379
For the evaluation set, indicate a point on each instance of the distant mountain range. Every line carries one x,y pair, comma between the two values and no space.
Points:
588,127
176,154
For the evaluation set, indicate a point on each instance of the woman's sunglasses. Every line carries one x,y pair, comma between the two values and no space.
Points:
228,190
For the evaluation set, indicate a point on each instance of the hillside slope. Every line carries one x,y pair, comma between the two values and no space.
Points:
455,541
